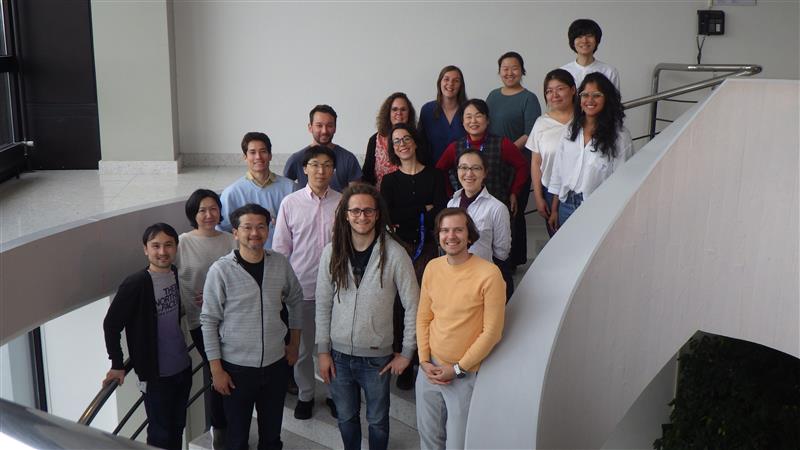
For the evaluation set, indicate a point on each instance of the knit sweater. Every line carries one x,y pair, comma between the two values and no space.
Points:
461,311
195,255
358,321
239,328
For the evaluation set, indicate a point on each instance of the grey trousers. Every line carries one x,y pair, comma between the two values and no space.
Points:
304,367
442,411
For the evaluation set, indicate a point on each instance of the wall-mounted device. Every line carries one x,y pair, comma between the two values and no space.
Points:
710,22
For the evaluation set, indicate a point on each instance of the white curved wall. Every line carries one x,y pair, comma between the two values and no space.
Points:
699,231
49,273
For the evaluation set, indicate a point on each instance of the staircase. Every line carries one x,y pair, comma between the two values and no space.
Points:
322,431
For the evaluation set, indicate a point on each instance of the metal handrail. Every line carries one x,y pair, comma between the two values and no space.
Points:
734,70
105,392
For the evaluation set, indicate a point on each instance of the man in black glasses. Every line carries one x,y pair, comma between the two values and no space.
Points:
360,274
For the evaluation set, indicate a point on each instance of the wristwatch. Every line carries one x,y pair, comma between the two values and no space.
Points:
460,373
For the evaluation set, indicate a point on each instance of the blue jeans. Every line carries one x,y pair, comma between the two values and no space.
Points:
566,208
165,404
354,373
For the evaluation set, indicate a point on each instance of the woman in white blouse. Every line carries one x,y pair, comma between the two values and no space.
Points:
545,136
593,147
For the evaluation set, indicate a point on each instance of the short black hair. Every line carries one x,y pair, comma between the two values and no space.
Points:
250,208
322,109
316,150
582,27
256,136
479,104
193,204
472,231
156,228
514,55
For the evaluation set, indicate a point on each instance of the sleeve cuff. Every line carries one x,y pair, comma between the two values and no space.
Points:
324,347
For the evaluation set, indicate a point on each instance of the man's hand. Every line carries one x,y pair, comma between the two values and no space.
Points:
433,372
512,204
292,353
221,379
552,221
117,375
397,365
326,368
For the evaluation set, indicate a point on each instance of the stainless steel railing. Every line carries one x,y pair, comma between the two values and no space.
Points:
733,70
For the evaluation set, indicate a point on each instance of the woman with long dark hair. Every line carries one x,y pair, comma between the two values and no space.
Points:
397,108
439,120
595,145
545,137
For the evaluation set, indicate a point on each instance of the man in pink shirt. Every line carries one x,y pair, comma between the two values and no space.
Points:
302,228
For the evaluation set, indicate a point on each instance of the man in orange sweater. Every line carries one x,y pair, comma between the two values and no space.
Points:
459,320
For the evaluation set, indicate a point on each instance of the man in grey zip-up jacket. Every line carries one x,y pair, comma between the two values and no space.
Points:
360,273
243,331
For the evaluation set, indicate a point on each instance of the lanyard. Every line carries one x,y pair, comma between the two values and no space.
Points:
469,144
418,251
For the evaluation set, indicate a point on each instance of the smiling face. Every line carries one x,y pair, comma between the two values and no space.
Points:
319,171
257,157
404,146
252,232
475,122
322,128
592,100
510,72
160,251
558,95
208,214
398,112
454,235
471,173
450,85
362,213
585,45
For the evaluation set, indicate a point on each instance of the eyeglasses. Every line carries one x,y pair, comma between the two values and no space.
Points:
261,228
367,212
560,90
593,95
403,140
473,169
395,109
476,116
315,165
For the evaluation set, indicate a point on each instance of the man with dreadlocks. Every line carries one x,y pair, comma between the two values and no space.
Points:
360,273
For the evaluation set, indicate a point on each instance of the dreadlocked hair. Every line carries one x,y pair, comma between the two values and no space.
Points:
608,122
342,240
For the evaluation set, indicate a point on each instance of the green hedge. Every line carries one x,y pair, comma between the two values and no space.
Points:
734,394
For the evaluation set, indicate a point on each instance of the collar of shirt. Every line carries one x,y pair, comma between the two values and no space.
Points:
477,143
270,179
314,196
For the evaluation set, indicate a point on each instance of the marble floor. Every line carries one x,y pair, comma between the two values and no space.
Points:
43,199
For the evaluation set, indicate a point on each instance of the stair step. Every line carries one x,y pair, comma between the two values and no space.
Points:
322,430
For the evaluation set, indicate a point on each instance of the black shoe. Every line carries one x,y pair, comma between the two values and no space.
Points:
292,386
332,406
303,409
405,381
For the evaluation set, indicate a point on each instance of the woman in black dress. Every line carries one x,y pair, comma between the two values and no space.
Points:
414,193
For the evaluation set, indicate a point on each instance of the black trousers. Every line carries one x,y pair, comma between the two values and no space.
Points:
165,401
215,414
264,388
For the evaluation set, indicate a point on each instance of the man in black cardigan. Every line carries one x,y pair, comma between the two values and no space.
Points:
147,307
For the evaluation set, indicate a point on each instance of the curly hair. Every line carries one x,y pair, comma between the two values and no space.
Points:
608,122
342,239
383,121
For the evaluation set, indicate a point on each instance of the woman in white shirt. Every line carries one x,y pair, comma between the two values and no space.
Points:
595,145
545,136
